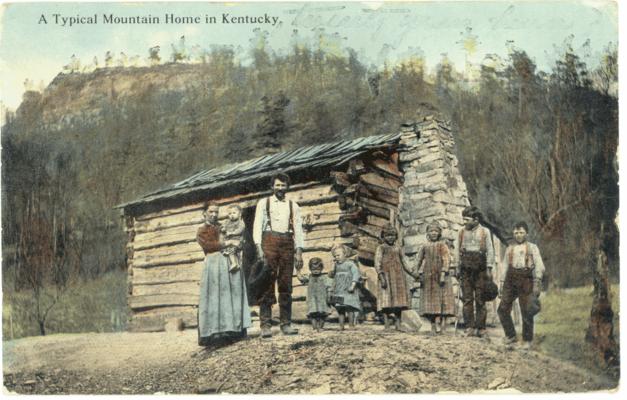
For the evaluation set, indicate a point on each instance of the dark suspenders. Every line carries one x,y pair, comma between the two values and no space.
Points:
482,241
268,213
528,257
291,217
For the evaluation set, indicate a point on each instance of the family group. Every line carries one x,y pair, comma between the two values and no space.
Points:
224,313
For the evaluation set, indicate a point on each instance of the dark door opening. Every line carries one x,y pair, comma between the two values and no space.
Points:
249,255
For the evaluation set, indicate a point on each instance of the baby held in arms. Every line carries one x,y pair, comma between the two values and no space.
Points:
233,231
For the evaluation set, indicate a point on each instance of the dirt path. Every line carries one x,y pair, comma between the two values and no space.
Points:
364,360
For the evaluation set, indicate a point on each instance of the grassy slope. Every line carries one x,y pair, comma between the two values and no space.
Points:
89,306
561,325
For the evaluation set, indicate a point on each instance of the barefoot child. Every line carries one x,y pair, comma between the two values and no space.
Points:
392,296
319,288
434,262
233,230
346,276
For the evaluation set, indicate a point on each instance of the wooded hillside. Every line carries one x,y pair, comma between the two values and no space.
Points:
533,145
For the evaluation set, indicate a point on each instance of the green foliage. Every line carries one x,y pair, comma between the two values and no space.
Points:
533,145
97,305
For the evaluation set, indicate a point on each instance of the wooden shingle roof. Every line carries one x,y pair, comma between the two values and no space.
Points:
322,155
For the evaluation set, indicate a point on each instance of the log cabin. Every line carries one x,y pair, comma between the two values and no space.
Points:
347,191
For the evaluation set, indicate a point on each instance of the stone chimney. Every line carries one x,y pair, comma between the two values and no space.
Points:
433,188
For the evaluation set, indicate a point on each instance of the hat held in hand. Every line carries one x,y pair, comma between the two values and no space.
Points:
534,306
491,291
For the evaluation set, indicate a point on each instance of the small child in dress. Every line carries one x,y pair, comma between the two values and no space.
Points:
437,301
346,276
319,289
233,231
389,263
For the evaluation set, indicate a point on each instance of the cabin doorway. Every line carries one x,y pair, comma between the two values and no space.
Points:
249,251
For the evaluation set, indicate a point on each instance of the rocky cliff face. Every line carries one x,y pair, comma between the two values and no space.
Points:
82,99
145,126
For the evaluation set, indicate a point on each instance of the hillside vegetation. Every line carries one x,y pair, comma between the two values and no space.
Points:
533,145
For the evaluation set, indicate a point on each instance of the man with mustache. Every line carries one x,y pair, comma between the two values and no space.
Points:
278,236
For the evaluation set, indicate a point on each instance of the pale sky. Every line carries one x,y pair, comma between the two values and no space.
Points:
378,31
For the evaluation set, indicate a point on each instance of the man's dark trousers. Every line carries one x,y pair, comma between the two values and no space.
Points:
518,284
473,280
278,248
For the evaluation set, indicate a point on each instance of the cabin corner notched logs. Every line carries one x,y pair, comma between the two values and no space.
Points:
409,179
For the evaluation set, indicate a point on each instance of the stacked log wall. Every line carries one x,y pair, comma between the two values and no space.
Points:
165,262
369,198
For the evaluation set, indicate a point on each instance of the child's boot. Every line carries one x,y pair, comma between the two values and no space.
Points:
342,317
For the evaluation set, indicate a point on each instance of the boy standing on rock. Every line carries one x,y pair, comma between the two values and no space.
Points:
474,255
523,280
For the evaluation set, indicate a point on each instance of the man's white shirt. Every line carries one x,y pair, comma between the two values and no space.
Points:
279,219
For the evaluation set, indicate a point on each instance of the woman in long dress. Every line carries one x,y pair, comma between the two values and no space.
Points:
434,261
223,312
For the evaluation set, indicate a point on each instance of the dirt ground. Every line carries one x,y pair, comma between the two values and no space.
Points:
366,359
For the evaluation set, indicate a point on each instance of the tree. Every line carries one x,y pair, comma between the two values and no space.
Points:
179,51
605,77
48,259
534,145
600,331
444,80
271,128
49,247
153,55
